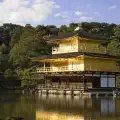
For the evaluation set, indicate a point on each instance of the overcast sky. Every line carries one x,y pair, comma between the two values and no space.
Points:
58,12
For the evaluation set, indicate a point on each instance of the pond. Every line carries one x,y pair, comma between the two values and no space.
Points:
53,107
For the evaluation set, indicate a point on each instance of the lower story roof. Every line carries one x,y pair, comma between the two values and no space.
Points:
74,54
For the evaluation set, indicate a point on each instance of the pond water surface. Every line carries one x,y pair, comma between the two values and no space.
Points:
52,107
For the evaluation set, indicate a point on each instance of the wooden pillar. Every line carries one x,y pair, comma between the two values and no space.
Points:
44,79
68,83
115,80
51,81
79,78
84,80
100,79
59,82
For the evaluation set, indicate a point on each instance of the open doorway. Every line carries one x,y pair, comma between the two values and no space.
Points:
92,82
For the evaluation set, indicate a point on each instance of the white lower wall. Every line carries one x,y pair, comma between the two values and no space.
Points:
111,82
104,82
107,81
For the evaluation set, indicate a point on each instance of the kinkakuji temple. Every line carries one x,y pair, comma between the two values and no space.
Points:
79,60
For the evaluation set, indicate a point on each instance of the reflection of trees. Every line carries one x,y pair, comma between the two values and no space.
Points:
18,106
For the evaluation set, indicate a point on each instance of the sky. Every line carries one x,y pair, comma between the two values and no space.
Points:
58,12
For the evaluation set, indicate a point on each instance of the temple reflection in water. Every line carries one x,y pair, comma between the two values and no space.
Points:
76,108
35,107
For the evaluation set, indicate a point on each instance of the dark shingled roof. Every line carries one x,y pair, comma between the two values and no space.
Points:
75,54
80,33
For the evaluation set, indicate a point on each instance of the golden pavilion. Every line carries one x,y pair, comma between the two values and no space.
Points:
79,60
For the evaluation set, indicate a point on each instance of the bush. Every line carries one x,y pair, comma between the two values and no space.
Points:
8,73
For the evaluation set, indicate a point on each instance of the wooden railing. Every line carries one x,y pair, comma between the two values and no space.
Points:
59,69
65,69
59,50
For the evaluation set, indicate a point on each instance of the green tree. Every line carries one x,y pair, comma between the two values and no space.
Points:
3,49
42,29
114,48
6,31
16,36
4,64
64,29
114,45
8,73
30,45
24,75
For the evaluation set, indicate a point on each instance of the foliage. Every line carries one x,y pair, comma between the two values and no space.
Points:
24,75
4,64
16,36
114,45
113,48
28,46
8,73
64,29
3,49
117,32
118,82
6,31
105,29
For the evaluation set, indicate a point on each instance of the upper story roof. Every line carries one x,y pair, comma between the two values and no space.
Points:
80,33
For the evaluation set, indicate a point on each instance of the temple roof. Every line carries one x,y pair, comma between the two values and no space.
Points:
75,54
80,33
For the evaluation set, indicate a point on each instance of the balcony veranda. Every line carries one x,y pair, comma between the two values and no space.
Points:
59,69
67,69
